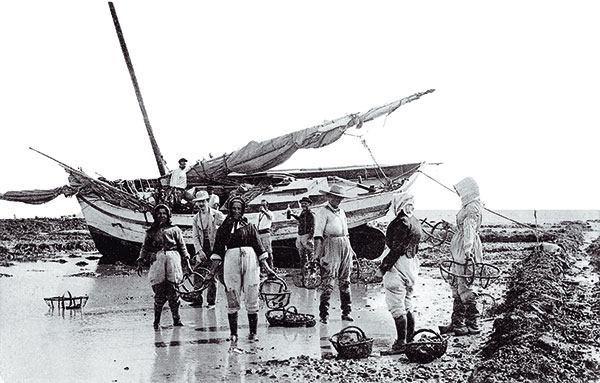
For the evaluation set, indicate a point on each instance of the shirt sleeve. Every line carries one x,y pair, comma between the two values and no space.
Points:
255,243
469,232
145,251
181,247
320,222
310,223
219,248
196,234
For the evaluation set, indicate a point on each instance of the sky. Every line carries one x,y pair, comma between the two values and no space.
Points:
515,104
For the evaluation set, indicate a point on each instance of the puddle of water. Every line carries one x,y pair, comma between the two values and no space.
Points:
112,339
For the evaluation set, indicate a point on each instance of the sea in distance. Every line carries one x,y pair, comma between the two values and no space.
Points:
522,216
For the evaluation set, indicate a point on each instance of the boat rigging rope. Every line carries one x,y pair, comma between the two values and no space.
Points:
384,179
535,229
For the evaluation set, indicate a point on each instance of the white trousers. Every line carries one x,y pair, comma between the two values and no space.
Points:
241,276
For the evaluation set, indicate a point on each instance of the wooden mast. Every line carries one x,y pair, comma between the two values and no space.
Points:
157,155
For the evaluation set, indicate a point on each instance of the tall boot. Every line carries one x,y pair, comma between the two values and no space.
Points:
233,326
472,317
457,324
253,324
157,313
324,305
399,345
174,306
410,326
346,303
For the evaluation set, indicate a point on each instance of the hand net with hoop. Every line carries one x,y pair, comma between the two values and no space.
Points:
193,283
274,292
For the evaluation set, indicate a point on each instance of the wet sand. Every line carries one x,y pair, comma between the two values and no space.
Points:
111,339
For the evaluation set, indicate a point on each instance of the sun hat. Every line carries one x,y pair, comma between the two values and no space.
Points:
400,200
336,190
201,196
468,190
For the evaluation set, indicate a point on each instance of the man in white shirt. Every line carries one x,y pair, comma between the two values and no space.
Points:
178,183
332,248
213,199
265,219
204,230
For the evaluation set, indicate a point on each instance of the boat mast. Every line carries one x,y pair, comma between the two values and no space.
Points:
157,155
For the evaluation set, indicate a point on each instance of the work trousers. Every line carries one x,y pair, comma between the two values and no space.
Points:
241,276
163,292
306,247
336,263
398,293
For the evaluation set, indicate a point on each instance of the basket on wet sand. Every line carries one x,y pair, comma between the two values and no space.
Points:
67,301
308,277
351,343
274,292
426,346
289,317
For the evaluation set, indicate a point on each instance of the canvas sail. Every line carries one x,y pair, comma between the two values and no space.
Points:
261,156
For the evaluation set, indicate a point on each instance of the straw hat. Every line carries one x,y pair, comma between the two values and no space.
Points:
201,196
335,190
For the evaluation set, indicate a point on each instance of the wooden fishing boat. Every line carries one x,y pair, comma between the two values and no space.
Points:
119,213
118,229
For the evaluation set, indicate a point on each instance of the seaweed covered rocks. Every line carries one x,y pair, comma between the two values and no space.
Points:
546,317
25,240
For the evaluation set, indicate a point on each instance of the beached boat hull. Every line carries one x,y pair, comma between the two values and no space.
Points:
119,232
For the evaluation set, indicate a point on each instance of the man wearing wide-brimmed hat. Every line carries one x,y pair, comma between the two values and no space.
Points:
332,248
306,228
204,230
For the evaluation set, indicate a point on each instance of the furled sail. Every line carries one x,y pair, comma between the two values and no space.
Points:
37,196
261,156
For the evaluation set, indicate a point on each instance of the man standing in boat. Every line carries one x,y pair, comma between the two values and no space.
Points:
306,228
213,199
178,183
332,248
265,219
204,230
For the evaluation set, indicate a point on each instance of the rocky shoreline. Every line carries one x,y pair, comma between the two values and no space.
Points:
33,239
545,328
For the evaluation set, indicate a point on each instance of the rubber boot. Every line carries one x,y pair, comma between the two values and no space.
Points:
410,326
157,313
457,324
399,345
233,326
253,324
174,306
472,317
324,306
346,303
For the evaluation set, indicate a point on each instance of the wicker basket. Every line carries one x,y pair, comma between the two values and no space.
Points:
289,317
351,343
308,277
426,349
274,293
